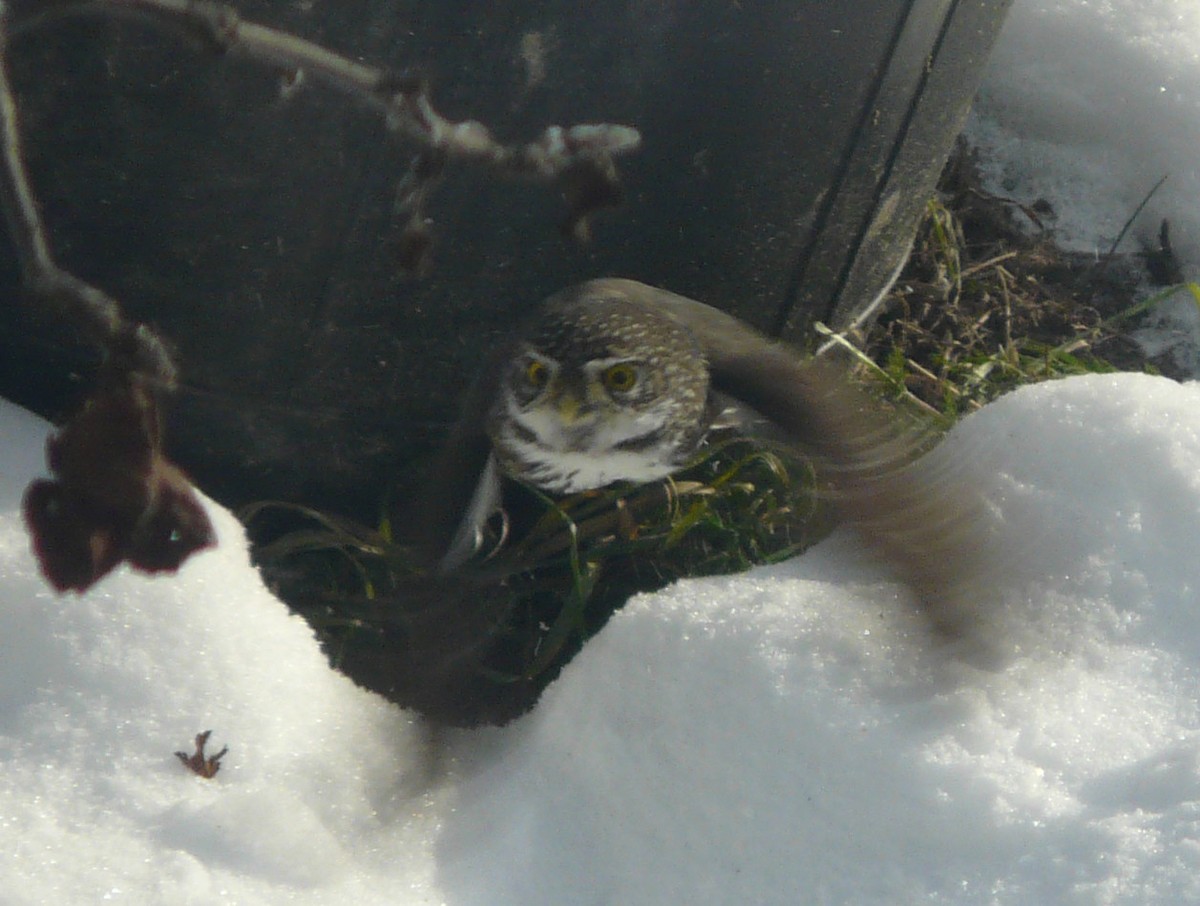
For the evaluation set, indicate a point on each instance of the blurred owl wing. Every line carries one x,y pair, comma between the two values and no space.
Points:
918,512
810,400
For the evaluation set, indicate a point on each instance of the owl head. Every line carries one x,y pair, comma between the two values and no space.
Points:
599,389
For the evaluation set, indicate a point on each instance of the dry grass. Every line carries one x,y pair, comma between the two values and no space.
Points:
987,302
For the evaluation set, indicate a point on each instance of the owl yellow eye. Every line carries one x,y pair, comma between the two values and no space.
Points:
537,374
620,378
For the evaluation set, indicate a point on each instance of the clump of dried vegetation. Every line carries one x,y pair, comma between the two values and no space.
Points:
988,302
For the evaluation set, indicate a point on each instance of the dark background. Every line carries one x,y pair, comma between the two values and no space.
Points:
788,151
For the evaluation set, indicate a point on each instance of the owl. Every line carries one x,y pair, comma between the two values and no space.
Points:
600,388
613,380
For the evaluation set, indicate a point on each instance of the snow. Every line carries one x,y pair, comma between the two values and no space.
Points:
787,735
1088,104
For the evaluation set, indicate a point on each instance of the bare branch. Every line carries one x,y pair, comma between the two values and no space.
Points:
113,495
402,97
40,275
24,221
95,312
579,157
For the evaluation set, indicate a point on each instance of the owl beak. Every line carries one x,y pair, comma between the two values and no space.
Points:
569,408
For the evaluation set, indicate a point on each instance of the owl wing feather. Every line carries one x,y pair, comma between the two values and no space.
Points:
912,505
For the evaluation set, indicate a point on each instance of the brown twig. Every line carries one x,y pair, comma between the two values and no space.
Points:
579,158
95,312
113,496
402,97
39,274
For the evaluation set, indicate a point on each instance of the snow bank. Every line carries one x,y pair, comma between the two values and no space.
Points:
788,735
1088,105
98,691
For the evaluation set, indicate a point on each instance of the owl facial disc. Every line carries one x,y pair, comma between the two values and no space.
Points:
601,390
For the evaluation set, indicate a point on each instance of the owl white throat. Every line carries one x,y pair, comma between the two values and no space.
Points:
598,449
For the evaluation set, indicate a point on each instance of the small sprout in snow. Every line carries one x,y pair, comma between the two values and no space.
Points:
200,764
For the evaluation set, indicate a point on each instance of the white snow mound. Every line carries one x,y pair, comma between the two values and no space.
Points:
787,735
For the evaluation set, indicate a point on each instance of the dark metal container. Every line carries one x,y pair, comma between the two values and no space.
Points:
788,151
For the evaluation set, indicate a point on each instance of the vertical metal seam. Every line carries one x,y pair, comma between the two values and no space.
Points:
825,209
893,157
